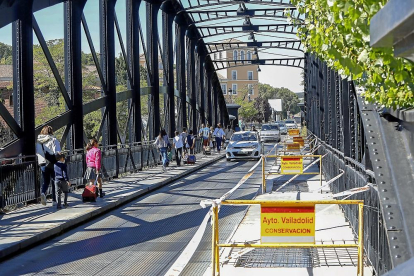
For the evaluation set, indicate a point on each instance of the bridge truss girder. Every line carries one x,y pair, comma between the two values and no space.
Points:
204,100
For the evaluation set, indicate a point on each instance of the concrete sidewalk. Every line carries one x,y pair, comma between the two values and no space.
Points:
28,226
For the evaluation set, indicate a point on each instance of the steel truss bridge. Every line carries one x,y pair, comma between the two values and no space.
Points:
185,35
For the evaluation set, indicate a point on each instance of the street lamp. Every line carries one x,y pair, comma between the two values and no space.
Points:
251,36
259,70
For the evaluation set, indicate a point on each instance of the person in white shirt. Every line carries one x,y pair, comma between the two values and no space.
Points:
178,145
219,134
205,133
229,132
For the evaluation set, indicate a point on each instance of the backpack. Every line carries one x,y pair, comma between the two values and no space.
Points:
51,158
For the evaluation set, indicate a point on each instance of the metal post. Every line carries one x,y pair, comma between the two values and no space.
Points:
209,103
215,261
152,43
73,67
361,239
133,60
181,69
263,175
191,43
168,23
107,18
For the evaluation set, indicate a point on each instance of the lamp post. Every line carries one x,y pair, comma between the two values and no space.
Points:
230,91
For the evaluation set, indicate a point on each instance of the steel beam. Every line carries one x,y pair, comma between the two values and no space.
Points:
152,47
73,69
181,70
191,81
132,15
23,90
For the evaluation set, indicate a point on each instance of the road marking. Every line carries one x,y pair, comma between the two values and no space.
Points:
189,250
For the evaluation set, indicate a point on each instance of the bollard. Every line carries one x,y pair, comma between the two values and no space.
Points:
263,176
215,262
361,239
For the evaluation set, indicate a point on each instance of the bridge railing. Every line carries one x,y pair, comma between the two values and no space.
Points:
21,178
356,176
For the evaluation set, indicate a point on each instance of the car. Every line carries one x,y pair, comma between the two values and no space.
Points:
270,132
291,124
282,128
244,145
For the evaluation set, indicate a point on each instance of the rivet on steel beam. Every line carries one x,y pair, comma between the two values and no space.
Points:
379,167
387,206
384,190
393,238
389,213
382,182
385,198
377,160
390,217
396,246
397,256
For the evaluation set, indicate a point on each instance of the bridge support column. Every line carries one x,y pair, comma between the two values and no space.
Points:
107,17
191,44
73,69
181,71
168,23
201,82
209,102
152,44
23,91
132,10
215,102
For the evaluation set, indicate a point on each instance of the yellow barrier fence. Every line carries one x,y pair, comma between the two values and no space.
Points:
282,203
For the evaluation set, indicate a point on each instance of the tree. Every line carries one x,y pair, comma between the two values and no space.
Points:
338,33
247,110
264,111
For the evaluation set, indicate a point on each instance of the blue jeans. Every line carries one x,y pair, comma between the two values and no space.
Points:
48,174
164,156
218,142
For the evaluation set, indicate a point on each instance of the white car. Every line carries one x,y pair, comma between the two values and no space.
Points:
291,124
270,132
282,128
244,145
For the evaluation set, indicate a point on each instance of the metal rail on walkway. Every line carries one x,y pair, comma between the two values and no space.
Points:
20,180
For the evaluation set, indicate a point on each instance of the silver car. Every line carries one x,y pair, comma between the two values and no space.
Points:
244,145
282,128
291,124
270,132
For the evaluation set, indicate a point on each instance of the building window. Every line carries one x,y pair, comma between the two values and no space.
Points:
234,75
250,89
234,89
224,89
235,55
249,55
250,75
242,55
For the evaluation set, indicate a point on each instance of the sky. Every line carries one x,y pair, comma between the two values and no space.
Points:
50,21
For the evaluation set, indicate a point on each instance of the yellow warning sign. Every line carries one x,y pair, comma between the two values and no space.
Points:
293,146
288,224
292,165
293,132
299,140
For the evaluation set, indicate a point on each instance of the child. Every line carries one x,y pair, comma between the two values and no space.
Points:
62,183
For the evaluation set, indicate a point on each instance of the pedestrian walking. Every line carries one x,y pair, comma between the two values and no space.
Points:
93,163
162,143
219,134
212,138
204,133
62,184
190,142
47,146
184,139
228,133
178,146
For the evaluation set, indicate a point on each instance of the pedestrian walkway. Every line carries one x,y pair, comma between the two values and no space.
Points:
28,226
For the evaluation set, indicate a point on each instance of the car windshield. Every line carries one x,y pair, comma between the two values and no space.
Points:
266,127
290,122
244,137
281,124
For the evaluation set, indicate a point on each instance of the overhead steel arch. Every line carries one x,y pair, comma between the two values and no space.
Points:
211,31
295,45
214,3
288,62
270,13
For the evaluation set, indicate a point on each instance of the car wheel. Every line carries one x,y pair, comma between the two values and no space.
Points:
228,159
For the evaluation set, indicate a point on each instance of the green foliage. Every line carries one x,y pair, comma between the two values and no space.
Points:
337,31
263,108
6,54
247,110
